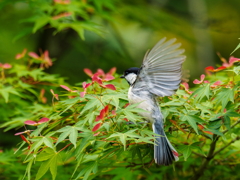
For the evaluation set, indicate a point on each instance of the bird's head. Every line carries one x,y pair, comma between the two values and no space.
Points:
131,75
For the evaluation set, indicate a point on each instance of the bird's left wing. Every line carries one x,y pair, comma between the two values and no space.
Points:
161,70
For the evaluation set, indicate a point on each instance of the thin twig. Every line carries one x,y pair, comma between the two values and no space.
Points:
228,144
200,155
236,123
64,148
135,164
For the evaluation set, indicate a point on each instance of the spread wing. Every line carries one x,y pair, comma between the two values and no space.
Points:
161,70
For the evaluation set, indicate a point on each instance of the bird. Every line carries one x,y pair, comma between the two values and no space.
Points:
159,75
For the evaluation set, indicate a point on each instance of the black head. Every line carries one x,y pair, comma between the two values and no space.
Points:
130,70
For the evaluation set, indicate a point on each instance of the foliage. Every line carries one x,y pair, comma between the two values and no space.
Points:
23,88
238,46
66,14
92,132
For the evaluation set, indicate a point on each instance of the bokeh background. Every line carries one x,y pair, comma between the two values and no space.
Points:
128,30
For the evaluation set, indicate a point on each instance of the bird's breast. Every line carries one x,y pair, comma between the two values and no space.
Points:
145,103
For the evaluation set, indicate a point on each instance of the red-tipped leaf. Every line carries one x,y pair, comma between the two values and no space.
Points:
47,59
125,119
209,68
208,132
217,83
23,138
110,86
220,68
96,134
108,77
185,85
96,127
106,108
112,71
200,126
88,72
30,122
82,94
5,66
16,134
232,60
21,55
114,112
33,55
65,14
86,85
43,120
97,79
55,95
196,81
101,115
62,1
65,87
100,72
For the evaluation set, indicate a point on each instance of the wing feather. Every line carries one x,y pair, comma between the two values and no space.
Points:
163,52
161,70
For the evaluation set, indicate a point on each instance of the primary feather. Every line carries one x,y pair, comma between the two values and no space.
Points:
161,69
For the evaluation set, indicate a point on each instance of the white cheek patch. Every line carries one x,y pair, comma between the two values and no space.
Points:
131,78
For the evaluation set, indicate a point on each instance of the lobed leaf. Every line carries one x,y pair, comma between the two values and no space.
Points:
224,96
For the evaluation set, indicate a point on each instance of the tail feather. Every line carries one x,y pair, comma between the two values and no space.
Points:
164,152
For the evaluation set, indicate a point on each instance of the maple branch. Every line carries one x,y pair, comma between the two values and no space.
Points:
211,153
207,159
228,144
236,123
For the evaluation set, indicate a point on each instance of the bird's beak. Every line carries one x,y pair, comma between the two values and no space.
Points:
122,76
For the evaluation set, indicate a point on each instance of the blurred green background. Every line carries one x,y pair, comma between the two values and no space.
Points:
203,27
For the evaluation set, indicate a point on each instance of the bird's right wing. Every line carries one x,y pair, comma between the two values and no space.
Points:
161,70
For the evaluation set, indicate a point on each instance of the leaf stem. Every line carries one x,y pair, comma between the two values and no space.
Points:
2,74
64,148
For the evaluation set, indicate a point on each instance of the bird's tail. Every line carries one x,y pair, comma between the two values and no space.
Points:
164,152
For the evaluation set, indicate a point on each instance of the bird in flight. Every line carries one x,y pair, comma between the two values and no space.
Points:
159,75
